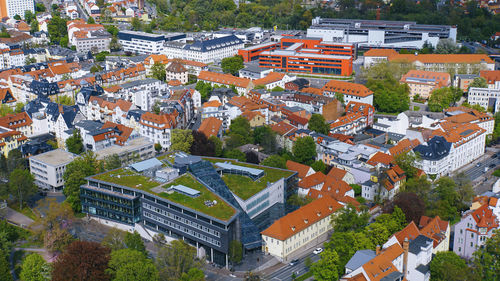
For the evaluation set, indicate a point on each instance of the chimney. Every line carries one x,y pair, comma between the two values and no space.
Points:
377,250
386,137
406,247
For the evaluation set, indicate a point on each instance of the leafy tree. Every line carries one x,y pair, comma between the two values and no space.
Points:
134,241
217,145
232,64
448,266
296,200
158,147
266,138
318,166
478,82
407,162
393,222
241,126
486,260
53,226
101,56
340,97
444,97
35,268
235,154
65,100
22,185
464,189
317,123
194,274
326,269
346,244
136,24
74,177
5,109
29,16
277,89
304,150
112,162
112,29
128,264
114,239
74,144
205,89
64,43
39,7
446,46
181,140
251,276
95,68
4,266
176,258
377,233
91,20
158,71
234,141
15,160
348,219
82,260
17,17
19,107
274,161
201,145
420,186
235,251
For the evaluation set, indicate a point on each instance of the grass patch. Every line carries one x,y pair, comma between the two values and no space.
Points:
416,108
127,177
387,113
243,186
25,211
304,276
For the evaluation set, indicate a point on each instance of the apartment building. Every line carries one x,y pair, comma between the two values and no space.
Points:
92,41
11,8
487,98
141,42
158,127
48,168
350,91
242,85
176,71
422,83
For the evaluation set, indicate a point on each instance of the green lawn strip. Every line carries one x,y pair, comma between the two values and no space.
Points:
304,276
25,211
221,210
128,178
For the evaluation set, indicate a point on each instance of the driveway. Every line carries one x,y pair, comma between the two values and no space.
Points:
17,218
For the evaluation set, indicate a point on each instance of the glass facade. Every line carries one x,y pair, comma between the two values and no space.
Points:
110,206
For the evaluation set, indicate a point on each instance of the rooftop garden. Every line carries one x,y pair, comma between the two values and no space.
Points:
129,178
243,186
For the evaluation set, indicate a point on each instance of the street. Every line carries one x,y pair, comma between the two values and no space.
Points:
285,273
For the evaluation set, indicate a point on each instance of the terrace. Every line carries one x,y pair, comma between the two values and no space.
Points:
245,187
126,177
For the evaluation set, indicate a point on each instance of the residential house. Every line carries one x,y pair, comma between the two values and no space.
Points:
349,91
423,83
211,127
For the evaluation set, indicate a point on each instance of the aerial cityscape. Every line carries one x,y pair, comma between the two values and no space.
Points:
219,140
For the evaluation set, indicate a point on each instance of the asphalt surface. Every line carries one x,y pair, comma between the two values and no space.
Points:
477,170
285,273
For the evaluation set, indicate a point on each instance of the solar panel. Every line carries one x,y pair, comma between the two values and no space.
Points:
185,190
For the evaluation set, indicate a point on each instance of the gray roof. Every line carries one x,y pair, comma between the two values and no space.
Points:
360,258
254,68
419,242
184,190
89,125
146,164
55,157
139,83
229,166
424,269
435,149
393,276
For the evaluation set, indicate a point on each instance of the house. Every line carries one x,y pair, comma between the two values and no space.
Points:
20,122
384,187
158,127
435,156
349,91
290,235
422,83
210,127
301,169
242,85
6,97
475,227
255,118
438,230
492,78
176,71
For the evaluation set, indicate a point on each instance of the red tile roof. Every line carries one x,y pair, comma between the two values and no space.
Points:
210,126
16,120
347,88
382,158
225,79
301,169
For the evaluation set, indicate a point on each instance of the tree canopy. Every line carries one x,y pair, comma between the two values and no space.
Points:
232,64
181,140
317,123
74,144
304,150
175,259
35,268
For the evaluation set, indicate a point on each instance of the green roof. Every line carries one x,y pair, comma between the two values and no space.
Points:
129,178
243,186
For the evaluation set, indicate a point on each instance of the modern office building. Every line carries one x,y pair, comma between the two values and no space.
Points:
253,52
187,197
11,8
205,51
485,97
379,33
141,42
48,168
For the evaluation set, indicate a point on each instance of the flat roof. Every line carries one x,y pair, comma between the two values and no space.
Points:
304,55
117,149
146,164
259,46
230,166
55,157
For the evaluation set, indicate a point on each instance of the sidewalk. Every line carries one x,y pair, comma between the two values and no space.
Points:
17,218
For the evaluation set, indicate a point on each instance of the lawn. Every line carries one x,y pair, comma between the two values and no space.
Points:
127,177
221,210
243,186
416,108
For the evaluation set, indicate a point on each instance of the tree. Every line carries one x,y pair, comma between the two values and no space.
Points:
157,107
74,144
410,203
128,264
39,7
478,82
22,185
377,233
158,147
114,239
74,177
318,166
136,24
235,154
448,266
277,89
349,219
346,244
65,100
95,68
158,71
82,260
234,141
296,200
64,42
5,109
274,161
340,97
394,222
15,160
235,251
112,162
134,241
91,20
407,162
29,16
232,64
241,126
420,186
35,268
194,274
176,258
205,89
266,138
486,260
4,266
201,145
19,107
326,268
53,226
217,145
101,56
181,140
317,123
304,150
446,46
444,97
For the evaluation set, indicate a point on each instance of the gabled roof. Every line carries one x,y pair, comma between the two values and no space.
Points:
381,158
380,53
434,228
337,173
210,126
382,265
410,231
484,217
312,180
491,76
403,146
225,79
160,121
270,78
347,88
301,169
16,120
212,103
302,218
283,128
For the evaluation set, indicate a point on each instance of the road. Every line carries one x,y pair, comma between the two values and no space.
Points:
477,171
285,273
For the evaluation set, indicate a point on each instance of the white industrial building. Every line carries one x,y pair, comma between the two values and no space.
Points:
48,168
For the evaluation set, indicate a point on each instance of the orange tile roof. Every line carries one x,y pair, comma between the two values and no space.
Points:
160,121
312,180
250,115
382,265
403,146
283,128
380,157
311,90
434,228
301,169
380,53
442,58
174,83
357,277
225,79
16,120
270,78
297,119
3,94
122,138
156,58
491,76
212,103
111,105
346,119
441,79
458,134
210,126
411,232
113,89
484,217
347,88
337,173
302,218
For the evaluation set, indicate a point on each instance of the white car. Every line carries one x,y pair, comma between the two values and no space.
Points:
317,251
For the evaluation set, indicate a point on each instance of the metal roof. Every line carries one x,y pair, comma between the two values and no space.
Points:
229,166
360,258
146,164
184,190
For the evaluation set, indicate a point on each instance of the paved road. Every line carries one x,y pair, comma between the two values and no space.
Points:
285,273
17,218
478,170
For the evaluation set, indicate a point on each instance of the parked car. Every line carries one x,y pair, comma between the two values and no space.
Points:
494,156
294,262
317,251
493,165
478,164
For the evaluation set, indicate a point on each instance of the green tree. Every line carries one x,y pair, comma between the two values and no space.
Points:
134,241
39,7
326,269
91,20
35,268
448,266
340,97
241,126
29,16
4,267
101,56
65,100
64,41
74,144
74,177
304,150
5,109
19,107
176,258
486,260
277,89
235,251
407,162
218,145
95,68
194,274
129,264
266,138
22,185
112,162
346,244
114,239
232,64
181,140
318,166
158,71
348,219
444,97
205,89
136,24
235,154
446,46
274,161
420,186
317,123
377,233
158,147
478,82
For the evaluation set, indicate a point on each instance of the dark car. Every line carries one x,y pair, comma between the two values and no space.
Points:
493,165
294,262
494,156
